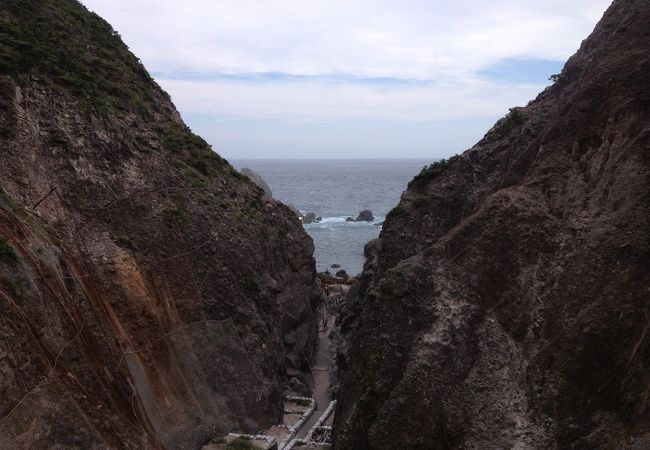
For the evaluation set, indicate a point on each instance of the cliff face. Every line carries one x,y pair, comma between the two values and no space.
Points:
149,294
505,304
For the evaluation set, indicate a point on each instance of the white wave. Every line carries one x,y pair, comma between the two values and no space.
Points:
341,220
332,219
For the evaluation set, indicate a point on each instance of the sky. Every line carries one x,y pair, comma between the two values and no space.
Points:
349,78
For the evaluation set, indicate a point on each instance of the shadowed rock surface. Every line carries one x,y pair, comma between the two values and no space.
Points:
505,304
147,288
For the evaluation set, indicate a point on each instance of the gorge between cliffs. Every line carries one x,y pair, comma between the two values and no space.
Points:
154,297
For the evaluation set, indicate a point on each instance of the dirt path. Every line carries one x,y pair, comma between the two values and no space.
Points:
321,372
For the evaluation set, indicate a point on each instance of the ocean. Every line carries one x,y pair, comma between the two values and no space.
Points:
334,190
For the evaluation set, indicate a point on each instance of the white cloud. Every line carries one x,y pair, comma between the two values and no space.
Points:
311,101
191,45
406,39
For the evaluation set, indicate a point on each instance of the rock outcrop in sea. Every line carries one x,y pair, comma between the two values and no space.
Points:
258,180
137,267
311,218
365,216
505,304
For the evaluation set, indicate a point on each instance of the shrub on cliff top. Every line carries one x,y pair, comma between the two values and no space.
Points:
430,172
514,118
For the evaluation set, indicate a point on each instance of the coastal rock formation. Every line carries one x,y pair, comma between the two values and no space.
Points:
505,304
365,216
137,267
311,218
258,180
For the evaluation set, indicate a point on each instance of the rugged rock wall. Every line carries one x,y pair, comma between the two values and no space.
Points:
506,303
150,296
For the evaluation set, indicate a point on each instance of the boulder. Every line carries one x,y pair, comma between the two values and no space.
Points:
309,218
365,216
342,274
349,219
326,278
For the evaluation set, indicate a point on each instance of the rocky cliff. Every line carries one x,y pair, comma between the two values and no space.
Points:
506,303
150,296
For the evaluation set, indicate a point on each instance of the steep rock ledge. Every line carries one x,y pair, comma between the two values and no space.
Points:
505,304
149,294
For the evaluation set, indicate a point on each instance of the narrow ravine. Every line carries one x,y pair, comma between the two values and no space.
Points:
321,373
307,421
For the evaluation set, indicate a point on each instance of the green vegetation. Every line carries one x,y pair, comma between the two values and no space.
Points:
251,285
302,402
177,215
514,118
195,180
61,43
194,156
240,444
367,407
420,202
123,241
7,253
398,211
7,115
430,172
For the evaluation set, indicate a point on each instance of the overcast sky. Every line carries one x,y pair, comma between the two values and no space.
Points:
349,78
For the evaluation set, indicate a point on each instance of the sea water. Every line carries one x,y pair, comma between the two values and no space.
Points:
335,190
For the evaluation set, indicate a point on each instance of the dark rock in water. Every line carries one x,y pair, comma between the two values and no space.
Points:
309,218
335,266
341,273
258,180
318,219
365,216
526,326
349,219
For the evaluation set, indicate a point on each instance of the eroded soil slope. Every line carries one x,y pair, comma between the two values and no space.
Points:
506,303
